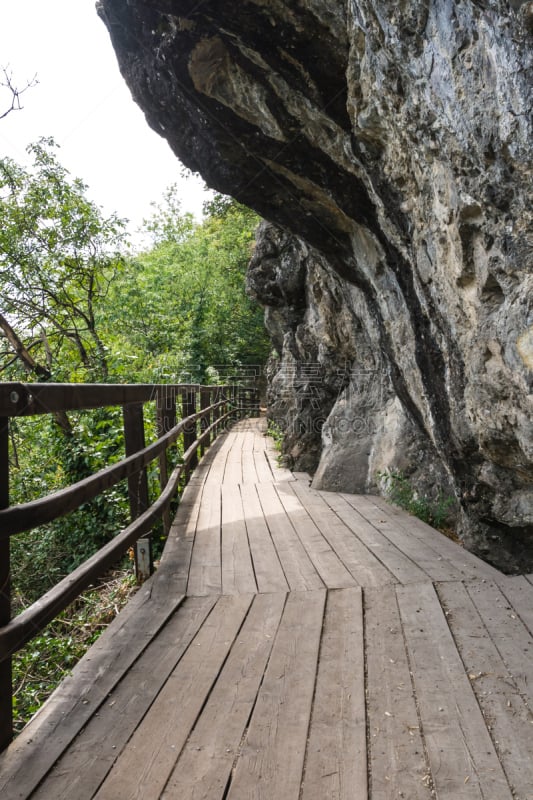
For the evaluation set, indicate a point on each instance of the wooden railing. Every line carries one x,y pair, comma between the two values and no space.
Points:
205,410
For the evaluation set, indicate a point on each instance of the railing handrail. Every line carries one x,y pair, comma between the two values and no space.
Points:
33,619
216,405
26,516
27,399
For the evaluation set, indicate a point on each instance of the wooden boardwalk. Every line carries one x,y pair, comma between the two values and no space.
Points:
295,645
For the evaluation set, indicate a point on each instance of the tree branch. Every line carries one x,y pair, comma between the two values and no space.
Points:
7,83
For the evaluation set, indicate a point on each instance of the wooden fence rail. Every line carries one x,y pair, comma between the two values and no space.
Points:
205,407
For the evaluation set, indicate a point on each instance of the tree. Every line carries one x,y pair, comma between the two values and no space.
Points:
7,87
58,254
183,307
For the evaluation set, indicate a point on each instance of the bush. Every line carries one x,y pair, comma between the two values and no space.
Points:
399,491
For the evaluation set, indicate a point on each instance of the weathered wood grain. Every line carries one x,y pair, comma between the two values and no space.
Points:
237,568
297,566
518,591
469,565
398,766
327,563
145,764
205,573
508,632
462,758
206,762
507,716
267,567
427,557
80,695
336,759
365,567
401,566
272,758
86,763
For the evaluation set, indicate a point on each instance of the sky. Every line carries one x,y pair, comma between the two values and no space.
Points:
82,101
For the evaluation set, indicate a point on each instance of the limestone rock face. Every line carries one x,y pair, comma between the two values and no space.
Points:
389,144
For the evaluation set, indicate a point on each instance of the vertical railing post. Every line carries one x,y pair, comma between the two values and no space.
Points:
166,419
6,690
235,401
138,487
205,421
188,404
215,397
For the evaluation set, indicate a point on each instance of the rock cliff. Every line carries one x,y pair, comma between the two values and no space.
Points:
388,145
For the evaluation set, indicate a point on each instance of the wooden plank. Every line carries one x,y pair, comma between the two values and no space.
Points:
366,569
248,437
260,439
81,694
398,766
508,717
297,566
205,571
423,554
81,770
326,561
336,765
144,766
272,758
262,467
462,758
206,762
268,570
237,568
179,545
508,632
394,561
519,593
180,542
249,472
216,473
233,470
469,565
280,473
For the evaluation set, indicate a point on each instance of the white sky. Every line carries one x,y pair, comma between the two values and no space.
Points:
84,104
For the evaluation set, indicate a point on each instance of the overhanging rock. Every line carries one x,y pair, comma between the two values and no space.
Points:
390,144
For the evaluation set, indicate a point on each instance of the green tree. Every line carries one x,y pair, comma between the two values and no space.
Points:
58,255
180,307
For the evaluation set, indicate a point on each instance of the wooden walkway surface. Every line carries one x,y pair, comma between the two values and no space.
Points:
295,645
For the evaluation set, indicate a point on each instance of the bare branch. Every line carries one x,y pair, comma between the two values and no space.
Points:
16,93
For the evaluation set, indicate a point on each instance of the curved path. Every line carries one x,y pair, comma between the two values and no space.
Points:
295,645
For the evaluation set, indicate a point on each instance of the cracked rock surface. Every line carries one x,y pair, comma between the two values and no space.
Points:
388,144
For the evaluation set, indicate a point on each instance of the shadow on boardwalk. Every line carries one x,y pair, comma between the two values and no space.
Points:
295,645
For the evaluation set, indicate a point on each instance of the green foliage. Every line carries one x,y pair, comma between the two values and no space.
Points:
275,432
40,666
58,255
399,491
180,309
44,459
